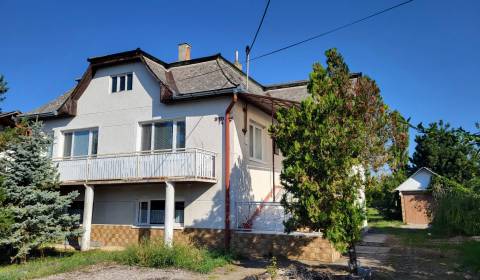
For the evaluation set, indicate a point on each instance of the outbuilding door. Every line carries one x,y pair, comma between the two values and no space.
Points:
416,208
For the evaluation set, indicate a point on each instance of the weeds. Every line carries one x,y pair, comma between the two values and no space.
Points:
148,254
272,268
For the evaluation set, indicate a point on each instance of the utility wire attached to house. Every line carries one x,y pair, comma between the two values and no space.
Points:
305,40
249,48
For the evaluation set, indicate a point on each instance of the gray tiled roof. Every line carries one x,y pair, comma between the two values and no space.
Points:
200,75
293,91
51,106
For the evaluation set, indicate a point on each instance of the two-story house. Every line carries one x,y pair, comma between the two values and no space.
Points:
179,150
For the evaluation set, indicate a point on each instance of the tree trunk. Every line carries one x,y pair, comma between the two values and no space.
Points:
352,262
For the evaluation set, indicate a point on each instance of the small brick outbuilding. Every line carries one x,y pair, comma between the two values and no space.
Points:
416,198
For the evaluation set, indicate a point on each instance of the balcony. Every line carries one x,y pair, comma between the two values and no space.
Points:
188,165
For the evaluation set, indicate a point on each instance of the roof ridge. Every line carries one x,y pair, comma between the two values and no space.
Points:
286,84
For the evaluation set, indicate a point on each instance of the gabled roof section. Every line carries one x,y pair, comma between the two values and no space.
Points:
294,91
419,181
196,78
8,119
51,108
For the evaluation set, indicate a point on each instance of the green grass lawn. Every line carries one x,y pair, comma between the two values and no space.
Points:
409,237
152,254
468,252
52,265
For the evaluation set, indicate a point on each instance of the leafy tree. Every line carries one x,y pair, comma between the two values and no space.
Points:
447,151
381,196
31,194
341,132
11,134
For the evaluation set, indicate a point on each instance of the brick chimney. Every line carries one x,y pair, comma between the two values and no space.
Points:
184,51
236,62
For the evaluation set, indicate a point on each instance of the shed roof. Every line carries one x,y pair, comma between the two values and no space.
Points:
419,181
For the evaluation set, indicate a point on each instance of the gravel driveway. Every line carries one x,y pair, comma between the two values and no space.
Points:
115,272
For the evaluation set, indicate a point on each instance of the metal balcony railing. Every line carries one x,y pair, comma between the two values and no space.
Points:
186,164
260,216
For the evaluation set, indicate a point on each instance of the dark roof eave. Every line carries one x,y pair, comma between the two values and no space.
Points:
45,115
205,94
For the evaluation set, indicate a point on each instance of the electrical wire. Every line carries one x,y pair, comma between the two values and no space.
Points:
310,38
250,47
331,30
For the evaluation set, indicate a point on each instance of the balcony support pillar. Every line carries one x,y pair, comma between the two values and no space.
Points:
169,212
87,217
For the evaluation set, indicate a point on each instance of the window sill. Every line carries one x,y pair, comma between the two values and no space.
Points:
257,160
175,226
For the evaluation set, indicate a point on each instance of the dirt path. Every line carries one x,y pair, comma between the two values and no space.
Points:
391,260
115,272
383,253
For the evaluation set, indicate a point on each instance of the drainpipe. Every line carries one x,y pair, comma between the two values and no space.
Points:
227,171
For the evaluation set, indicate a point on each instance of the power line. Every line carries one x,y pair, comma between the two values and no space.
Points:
259,26
308,39
248,49
332,30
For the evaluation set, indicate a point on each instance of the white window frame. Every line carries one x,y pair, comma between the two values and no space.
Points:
90,141
118,82
254,126
148,201
152,136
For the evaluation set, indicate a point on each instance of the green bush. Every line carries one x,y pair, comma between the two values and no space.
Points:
456,208
155,254
382,197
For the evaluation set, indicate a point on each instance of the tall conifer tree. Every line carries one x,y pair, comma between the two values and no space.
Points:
30,181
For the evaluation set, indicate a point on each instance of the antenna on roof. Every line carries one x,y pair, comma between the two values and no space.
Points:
247,51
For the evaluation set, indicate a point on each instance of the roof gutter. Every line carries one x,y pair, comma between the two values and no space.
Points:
40,115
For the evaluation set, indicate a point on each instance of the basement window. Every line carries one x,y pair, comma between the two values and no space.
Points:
76,208
152,212
123,82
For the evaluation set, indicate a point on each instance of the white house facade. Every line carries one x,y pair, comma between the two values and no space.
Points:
174,150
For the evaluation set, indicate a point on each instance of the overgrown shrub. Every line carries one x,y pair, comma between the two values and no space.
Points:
456,208
382,197
156,254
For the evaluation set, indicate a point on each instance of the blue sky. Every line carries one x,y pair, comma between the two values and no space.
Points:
424,55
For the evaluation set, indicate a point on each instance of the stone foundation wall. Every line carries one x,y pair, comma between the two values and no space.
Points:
247,244
124,235
294,247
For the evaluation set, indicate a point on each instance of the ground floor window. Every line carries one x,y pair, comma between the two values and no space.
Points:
152,212
76,208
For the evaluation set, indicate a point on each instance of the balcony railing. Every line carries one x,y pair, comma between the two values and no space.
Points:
259,216
180,165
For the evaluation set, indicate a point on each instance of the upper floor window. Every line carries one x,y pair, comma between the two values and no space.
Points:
164,135
255,142
80,143
122,82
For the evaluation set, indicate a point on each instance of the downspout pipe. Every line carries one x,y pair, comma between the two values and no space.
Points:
227,170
